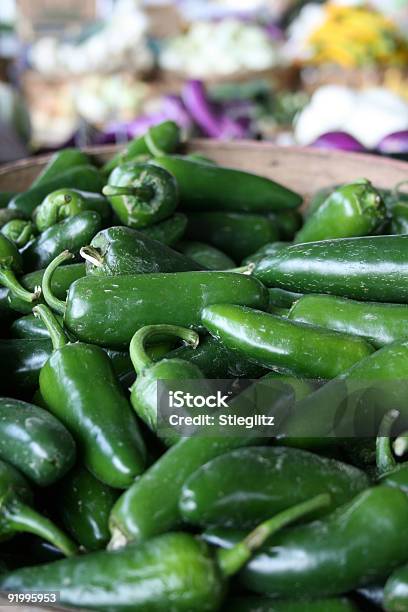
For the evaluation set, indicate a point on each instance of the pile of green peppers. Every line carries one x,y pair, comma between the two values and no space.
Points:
160,266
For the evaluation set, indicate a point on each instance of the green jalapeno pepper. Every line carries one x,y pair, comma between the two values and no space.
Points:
34,441
102,310
357,544
60,162
98,416
141,194
7,215
243,487
11,263
72,233
267,249
216,361
6,314
83,504
21,362
206,187
30,327
164,137
368,268
64,203
237,234
169,231
378,381
275,342
206,255
266,604
61,281
122,250
379,323
396,591
16,514
144,390
356,209
399,219
150,505
174,569
86,178
19,231
280,298
288,223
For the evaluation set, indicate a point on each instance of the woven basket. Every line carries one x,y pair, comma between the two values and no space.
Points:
302,169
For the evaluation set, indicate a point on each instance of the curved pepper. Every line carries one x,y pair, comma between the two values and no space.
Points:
174,569
34,441
367,268
122,250
87,178
169,231
141,194
84,504
72,233
16,514
144,390
64,203
164,137
98,415
272,341
11,263
356,209
379,323
359,543
206,255
19,231
92,301
237,234
207,187
62,279
60,162
245,486
150,505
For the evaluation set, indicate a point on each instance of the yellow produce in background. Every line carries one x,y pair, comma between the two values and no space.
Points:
357,36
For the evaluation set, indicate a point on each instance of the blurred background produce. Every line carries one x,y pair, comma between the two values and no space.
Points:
332,74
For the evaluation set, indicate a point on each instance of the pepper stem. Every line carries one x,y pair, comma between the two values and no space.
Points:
92,255
400,445
243,269
137,349
233,559
58,336
22,518
385,459
8,279
52,301
142,192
